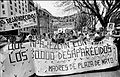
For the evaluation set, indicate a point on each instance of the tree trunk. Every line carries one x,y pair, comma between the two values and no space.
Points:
104,21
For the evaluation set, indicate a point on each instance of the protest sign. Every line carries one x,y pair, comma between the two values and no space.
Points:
60,30
55,32
73,57
110,26
18,21
17,60
46,58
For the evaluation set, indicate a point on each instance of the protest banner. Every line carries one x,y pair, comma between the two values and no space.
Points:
73,57
17,60
18,21
46,58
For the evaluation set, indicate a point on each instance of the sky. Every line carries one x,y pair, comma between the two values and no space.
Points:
49,5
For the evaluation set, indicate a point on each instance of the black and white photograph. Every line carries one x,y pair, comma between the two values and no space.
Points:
59,38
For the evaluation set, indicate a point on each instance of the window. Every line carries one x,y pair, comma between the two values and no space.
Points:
33,8
19,7
20,11
1,0
25,1
2,5
16,9
26,10
23,8
47,15
67,20
11,13
43,13
26,6
15,5
30,6
19,1
23,12
22,4
10,2
11,8
30,9
27,29
3,11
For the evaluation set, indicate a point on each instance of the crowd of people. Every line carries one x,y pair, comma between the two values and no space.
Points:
89,36
62,37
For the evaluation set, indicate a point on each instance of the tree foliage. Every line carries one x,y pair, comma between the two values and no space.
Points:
101,9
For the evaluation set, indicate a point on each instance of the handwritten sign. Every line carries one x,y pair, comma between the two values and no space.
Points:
73,57
18,21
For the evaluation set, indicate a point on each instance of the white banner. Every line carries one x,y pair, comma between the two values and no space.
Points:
18,21
69,58
47,58
16,60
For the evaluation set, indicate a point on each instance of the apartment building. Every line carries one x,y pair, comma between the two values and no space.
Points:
15,7
31,7
10,7
63,22
44,19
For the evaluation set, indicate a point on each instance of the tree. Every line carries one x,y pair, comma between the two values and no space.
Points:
102,9
82,21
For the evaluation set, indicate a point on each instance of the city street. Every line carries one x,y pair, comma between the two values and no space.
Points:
66,38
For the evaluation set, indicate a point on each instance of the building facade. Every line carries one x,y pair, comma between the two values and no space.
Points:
31,7
16,7
63,22
10,7
44,21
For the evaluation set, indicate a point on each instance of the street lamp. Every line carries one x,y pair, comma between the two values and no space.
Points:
37,12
